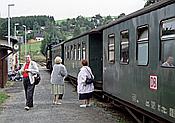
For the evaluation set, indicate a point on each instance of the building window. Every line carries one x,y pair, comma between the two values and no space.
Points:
142,45
124,47
168,42
111,48
79,52
83,50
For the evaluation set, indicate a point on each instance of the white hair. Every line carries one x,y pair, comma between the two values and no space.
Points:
58,60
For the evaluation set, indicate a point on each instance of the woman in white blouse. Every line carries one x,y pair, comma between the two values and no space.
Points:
85,90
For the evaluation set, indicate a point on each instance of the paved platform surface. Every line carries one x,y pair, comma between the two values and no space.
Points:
44,111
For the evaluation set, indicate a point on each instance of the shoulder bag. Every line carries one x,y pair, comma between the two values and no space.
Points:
89,80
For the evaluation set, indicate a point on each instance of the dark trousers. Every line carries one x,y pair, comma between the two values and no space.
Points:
29,91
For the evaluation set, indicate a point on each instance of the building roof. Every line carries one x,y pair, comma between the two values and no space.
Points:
12,39
4,47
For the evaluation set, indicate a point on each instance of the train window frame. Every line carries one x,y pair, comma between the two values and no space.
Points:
68,52
122,43
75,52
65,53
71,52
165,41
141,42
111,37
83,52
79,52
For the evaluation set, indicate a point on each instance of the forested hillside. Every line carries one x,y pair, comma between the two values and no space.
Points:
53,30
57,30
33,23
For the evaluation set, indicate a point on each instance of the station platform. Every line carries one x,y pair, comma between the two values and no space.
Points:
44,111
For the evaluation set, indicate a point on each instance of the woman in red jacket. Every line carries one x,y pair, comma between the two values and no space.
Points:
28,70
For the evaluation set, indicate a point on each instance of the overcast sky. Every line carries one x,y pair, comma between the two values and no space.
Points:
62,9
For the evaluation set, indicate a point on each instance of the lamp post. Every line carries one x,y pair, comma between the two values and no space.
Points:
16,24
25,39
17,53
9,5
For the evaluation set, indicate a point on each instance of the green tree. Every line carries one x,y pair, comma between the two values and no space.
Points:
3,27
149,2
50,35
107,19
77,31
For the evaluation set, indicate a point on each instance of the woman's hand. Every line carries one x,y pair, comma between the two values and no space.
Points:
25,71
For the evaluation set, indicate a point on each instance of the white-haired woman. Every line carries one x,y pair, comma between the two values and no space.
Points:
58,74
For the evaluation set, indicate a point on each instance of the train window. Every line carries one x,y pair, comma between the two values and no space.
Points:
124,47
168,43
83,50
168,28
111,48
142,45
79,52
71,52
58,51
65,53
75,52
68,53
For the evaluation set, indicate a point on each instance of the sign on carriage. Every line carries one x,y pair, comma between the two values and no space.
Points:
153,82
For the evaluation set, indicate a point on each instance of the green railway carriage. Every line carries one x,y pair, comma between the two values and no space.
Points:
127,58
134,49
86,46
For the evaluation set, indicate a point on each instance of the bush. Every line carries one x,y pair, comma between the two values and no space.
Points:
3,97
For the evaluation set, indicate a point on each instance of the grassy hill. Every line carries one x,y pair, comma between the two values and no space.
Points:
34,49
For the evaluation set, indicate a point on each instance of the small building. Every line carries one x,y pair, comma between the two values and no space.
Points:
39,37
5,52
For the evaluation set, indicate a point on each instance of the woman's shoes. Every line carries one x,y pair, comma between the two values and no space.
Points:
57,103
54,102
26,108
88,105
83,106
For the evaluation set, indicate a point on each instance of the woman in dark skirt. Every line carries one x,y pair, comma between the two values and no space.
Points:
85,90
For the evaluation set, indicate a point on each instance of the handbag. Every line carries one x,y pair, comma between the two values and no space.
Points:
37,78
89,80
